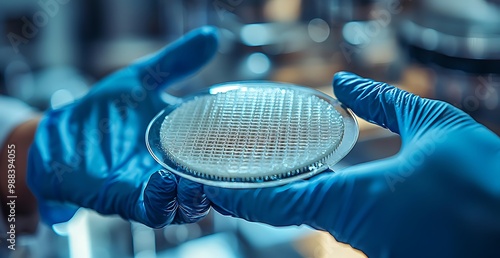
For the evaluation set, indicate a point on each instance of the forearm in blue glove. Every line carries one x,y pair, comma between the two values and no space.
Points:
92,153
438,197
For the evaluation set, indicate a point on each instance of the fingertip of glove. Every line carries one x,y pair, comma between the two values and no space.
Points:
162,181
342,78
164,175
186,55
343,85
208,36
207,31
349,87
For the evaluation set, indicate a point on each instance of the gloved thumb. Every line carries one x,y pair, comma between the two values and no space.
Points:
178,60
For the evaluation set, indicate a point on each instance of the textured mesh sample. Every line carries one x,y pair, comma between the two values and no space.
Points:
251,133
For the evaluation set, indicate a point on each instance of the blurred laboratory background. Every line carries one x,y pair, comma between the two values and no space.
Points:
52,51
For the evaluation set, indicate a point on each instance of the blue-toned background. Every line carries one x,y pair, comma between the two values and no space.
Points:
52,51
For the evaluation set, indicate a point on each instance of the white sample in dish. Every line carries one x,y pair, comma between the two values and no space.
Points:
252,133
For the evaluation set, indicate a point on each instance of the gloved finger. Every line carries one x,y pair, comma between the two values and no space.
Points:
159,201
337,202
192,200
291,204
179,59
381,103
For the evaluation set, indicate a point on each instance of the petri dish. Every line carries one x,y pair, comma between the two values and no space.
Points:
252,134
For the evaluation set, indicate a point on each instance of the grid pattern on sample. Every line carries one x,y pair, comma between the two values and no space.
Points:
251,133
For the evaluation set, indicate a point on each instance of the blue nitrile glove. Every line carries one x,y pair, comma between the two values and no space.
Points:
438,197
92,153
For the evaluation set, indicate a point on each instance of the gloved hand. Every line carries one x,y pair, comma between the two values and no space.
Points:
438,197
92,153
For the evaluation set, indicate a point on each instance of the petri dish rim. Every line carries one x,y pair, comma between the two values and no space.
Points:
350,136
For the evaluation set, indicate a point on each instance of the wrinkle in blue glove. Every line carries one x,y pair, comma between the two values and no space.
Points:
438,197
92,153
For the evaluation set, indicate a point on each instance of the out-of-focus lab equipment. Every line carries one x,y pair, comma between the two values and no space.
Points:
53,51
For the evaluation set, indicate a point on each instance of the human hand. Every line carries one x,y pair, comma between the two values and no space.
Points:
92,153
438,197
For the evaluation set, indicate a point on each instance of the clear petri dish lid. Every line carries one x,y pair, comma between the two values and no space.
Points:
252,134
